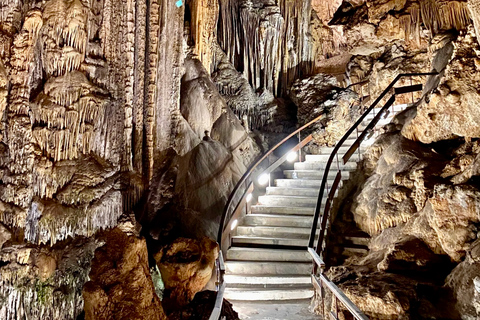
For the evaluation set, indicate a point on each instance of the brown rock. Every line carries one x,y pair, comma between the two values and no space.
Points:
46,265
186,266
5,235
464,280
201,308
120,285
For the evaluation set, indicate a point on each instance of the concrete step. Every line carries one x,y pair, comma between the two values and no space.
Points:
267,268
273,310
298,183
306,192
324,157
236,281
259,254
277,220
341,151
313,174
239,294
320,165
276,232
268,241
283,210
287,201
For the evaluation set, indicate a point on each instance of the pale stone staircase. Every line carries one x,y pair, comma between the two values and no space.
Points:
268,259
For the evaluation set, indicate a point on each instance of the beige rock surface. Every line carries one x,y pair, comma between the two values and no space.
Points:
186,266
120,285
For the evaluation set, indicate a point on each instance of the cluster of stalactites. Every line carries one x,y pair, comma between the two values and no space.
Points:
59,222
436,16
65,36
65,116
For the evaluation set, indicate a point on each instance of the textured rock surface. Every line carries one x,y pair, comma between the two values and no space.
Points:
120,286
186,266
267,41
320,96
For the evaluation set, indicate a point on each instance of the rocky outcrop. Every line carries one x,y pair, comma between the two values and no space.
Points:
83,116
186,266
321,95
120,286
44,282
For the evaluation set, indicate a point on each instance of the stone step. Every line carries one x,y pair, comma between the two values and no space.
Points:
277,220
320,165
324,158
287,201
239,294
299,183
283,210
341,151
259,254
273,310
313,174
267,268
268,241
307,192
267,281
276,232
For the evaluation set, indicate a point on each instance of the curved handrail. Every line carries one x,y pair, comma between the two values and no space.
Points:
232,205
249,172
335,151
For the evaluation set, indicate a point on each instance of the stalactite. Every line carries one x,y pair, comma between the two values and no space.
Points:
129,83
139,81
270,43
151,76
444,15
204,17
51,222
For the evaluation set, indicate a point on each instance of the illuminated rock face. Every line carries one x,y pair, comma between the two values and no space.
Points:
83,117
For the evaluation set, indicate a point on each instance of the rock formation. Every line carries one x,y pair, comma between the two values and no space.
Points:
154,109
419,201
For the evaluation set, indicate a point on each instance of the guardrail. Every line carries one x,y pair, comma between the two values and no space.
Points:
236,205
319,280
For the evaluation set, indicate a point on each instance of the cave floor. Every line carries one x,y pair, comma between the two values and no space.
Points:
275,310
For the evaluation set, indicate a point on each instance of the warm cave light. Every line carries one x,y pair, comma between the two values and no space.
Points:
264,179
249,197
234,224
291,156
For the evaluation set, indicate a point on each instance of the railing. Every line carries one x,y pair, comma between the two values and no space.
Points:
240,195
319,280
237,204
220,284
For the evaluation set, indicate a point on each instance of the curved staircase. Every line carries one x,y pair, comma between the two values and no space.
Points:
268,259
273,249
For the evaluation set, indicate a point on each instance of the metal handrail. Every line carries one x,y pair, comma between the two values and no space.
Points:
234,201
220,267
248,173
335,151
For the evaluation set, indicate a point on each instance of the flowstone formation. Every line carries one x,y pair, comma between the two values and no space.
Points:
420,201
93,104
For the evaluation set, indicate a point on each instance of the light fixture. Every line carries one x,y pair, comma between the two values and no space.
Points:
263,179
249,197
234,224
291,156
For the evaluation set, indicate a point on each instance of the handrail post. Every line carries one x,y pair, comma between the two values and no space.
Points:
300,149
